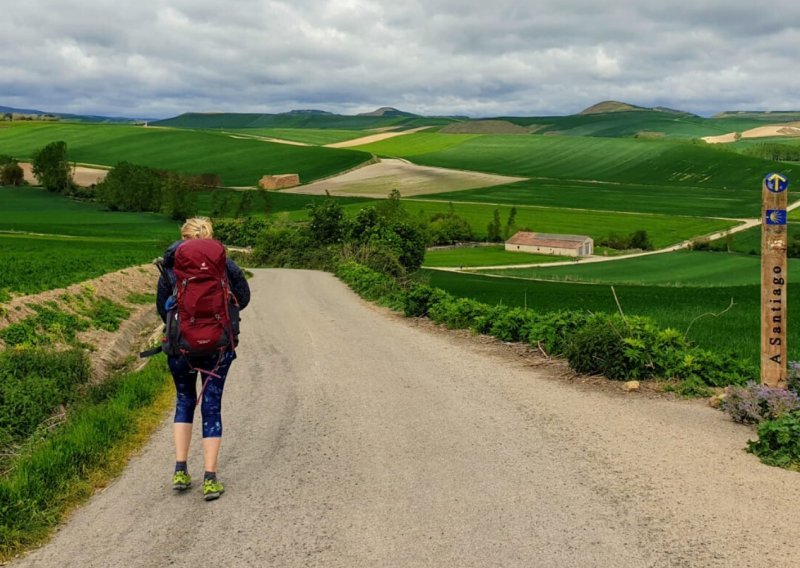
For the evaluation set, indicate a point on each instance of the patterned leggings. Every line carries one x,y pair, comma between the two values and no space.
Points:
186,388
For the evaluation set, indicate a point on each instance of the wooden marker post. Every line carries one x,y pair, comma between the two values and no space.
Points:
773,280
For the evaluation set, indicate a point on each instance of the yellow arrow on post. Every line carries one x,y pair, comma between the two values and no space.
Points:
777,180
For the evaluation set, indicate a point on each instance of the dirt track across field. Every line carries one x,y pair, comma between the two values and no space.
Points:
379,179
375,138
788,129
355,438
82,175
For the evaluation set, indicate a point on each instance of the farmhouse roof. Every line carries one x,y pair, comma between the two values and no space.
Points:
547,240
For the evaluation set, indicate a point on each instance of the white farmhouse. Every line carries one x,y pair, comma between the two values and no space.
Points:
547,243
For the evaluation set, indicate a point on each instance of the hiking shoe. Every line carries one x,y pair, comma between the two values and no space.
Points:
212,489
181,480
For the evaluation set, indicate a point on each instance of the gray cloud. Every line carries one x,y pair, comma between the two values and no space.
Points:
162,57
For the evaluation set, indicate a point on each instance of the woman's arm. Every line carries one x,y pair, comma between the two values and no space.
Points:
239,285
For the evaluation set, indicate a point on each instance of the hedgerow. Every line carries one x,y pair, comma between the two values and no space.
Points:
618,347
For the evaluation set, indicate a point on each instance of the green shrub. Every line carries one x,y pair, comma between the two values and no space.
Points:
458,313
420,298
242,232
553,331
483,322
371,284
511,324
600,348
779,441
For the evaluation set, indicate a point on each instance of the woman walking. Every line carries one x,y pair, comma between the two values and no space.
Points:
185,363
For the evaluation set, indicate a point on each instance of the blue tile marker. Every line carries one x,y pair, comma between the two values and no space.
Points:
774,286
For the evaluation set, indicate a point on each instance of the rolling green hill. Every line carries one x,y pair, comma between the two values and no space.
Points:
620,160
610,196
643,123
297,120
239,162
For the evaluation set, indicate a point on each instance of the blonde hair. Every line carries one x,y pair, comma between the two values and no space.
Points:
197,228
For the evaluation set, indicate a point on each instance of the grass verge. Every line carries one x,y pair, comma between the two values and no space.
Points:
92,447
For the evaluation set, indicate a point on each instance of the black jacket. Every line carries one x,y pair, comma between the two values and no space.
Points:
236,278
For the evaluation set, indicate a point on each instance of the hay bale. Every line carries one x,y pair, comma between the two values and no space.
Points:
280,181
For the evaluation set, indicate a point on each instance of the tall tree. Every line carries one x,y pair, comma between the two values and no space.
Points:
51,168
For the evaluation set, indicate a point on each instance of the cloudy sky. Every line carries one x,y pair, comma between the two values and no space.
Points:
159,58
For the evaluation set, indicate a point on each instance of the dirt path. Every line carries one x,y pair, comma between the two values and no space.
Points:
790,129
374,138
83,176
355,438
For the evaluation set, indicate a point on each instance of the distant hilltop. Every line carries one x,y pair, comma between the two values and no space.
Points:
388,111
12,113
617,106
311,111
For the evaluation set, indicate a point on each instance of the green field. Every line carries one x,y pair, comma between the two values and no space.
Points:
677,269
482,256
71,241
636,123
663,230
417,144
239,162
626,161
736,331
606,196
33,264
314,136
297,120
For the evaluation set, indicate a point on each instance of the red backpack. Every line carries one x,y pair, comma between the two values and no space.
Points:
204,317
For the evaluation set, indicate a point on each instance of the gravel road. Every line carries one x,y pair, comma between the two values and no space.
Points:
355,439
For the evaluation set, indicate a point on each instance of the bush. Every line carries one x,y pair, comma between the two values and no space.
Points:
638,239
599,348
242,232
756,403
448,229
553,331
420,298
327,222
779,441
129,187
371,284
511,324
375,256
11,174
458,313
